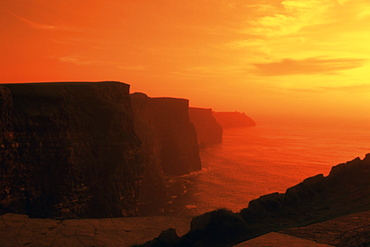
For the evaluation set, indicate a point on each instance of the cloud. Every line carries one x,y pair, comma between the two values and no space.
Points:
75,60
315,65
287,17
83,62
34,24
362,88
342,2
42,26
133,67
80,61
209,71
351,88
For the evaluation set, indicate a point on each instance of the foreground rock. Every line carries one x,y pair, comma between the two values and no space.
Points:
209,131
344,191
233,120
68,150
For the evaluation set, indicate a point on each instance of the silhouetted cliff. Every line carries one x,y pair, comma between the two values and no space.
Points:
163,125
68,150
209,131
344,191
233,119
169,144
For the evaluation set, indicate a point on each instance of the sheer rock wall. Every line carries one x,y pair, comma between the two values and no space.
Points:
68,150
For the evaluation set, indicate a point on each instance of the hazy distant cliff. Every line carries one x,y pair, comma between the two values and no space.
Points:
233,119
209,131
344,191
68,150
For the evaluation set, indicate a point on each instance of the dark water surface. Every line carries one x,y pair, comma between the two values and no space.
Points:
264,159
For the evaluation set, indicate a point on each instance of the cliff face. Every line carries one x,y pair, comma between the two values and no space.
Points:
344,191
170,138
209,131
233,119
68,150
169,144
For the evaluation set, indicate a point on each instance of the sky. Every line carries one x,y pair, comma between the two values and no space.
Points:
298,60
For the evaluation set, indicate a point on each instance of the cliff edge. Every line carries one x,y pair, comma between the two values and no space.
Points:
164,125
169,145
68,150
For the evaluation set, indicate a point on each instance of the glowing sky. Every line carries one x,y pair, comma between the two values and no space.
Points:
296,58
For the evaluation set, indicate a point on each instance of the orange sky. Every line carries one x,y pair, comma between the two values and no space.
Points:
298,58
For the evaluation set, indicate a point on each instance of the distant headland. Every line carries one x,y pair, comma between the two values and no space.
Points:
233,119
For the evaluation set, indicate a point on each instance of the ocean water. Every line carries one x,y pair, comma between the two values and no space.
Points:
259,160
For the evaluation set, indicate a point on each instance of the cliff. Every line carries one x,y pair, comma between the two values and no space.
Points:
209,131
169,144
164,127
68,150
344,191
233,119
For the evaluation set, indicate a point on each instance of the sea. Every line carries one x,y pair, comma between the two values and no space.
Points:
254,161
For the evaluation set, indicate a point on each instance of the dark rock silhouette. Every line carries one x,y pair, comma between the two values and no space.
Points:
68,150
167,237
164,125
169,143
233,119
344,191
209,131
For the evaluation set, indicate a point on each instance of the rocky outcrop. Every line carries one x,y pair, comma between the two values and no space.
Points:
209,131
233,120
68,150
344,191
